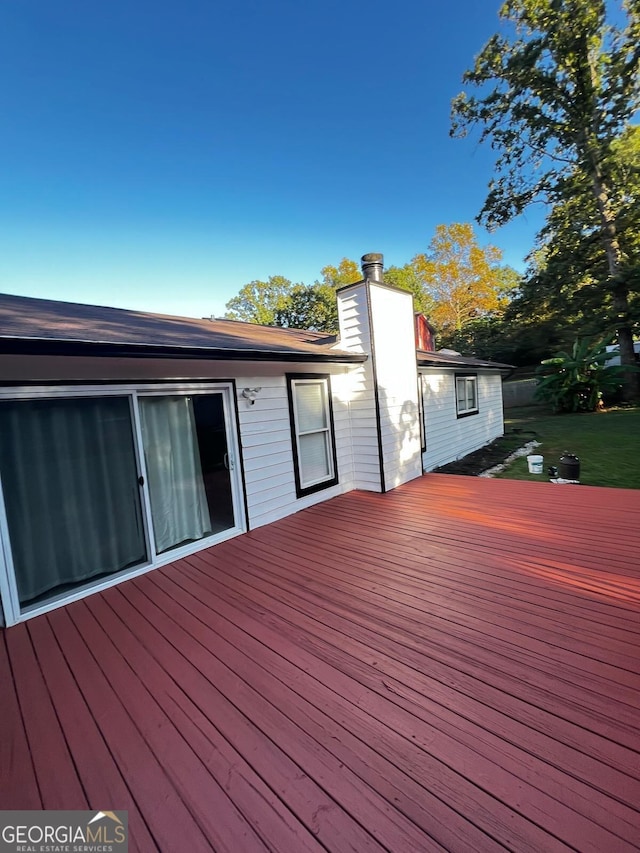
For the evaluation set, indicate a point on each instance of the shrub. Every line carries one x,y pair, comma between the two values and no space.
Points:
577,381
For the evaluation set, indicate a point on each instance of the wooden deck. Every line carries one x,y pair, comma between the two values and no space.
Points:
451,666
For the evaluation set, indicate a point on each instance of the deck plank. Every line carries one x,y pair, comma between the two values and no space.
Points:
167,816
47,744
302,770
413,580
96,768
347,619
355,707
480,641
493,570
322,712
459,747
245,788
218,818
454,665
18,779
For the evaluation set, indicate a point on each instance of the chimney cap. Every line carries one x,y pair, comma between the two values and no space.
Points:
373,266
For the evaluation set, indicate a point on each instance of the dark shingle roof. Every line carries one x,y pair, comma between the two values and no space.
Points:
447,359
48,326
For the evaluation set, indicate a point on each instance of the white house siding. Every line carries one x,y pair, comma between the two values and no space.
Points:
265,430
355,336
447,436
394,350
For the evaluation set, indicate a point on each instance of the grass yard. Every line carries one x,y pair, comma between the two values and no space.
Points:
607,444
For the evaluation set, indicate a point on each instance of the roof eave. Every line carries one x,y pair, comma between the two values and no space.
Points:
424,361
44,346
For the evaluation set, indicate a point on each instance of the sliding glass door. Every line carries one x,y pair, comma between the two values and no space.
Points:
186,456
71,492
100,486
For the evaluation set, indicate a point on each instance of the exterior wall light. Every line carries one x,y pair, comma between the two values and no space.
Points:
250,394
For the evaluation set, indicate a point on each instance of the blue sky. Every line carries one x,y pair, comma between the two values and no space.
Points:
159,155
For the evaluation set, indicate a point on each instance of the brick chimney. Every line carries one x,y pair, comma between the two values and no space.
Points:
425,334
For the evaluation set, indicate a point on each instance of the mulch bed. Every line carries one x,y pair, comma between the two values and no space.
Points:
493,454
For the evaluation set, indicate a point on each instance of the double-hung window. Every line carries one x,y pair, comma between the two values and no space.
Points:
466,395
312,432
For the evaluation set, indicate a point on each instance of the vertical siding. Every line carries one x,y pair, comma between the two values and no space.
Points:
359,395
395,360
447,436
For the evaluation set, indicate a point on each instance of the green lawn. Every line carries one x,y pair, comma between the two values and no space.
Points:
607,444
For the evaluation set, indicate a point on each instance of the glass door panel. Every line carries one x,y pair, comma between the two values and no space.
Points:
214,457
185,448
71,492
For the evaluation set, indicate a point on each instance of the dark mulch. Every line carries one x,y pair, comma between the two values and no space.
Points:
493,454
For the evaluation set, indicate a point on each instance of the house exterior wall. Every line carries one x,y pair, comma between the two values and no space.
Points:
447,436
394,354
355,336
375,407
266,439
379,320
265,431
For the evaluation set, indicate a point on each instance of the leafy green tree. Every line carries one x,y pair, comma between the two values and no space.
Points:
347,272
554,96
486,337
508,282
565,292
457,276
408,277
311,307
279,302
548,311
259,301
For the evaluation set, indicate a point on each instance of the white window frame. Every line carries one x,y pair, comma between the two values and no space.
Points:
294,381
472,379
13,613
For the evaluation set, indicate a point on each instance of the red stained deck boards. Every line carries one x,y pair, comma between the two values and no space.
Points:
454,665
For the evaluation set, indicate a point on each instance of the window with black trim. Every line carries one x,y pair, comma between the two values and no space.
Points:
313,434
466,395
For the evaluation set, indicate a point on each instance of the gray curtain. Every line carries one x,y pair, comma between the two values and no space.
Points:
178,500
70,487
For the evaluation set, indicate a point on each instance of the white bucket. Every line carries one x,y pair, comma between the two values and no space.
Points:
535,464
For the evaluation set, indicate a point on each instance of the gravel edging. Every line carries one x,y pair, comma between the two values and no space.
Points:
522,451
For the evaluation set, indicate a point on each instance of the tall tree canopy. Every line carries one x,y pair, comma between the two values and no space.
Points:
347,272
279,302
555,94
409,277
564,294
309,306
259,301
455,283
463,280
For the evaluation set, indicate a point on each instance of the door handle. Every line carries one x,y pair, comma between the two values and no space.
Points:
228,462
